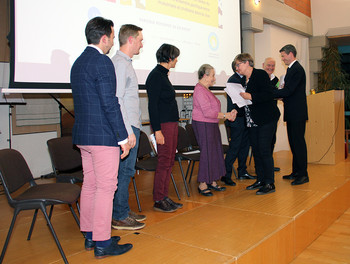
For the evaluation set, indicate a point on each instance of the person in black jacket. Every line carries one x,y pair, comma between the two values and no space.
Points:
295,113
239,140
269,66
261,118
164,117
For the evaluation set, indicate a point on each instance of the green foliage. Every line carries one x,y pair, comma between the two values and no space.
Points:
332,77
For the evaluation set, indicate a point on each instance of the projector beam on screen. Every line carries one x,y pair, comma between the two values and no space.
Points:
48,36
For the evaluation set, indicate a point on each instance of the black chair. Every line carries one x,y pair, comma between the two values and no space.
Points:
147,161
186,152
192,137
193,140
15,175
65,159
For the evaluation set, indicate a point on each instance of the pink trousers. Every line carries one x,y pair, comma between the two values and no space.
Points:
100,167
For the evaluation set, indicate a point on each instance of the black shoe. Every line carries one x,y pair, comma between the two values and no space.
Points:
300,180
112,250
255,185
164,206
205,192
172,203
246,176
276,168
216,188
268,188
90,244
291,176
228,181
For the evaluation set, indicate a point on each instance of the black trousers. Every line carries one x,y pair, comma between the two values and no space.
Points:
296,138
260,139
238,147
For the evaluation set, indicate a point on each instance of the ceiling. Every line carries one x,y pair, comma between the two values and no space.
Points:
340,36
340,40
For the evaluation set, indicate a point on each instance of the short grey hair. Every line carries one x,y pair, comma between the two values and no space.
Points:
243,57
289,48
204,70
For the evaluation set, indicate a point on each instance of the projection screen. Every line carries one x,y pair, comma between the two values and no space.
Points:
48,35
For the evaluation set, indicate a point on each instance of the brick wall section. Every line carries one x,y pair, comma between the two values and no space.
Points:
303,6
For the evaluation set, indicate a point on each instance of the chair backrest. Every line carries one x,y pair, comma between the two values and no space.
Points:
64,155
191,135
144,146
14,171
183,140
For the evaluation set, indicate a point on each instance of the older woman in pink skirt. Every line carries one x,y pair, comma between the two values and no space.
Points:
205,121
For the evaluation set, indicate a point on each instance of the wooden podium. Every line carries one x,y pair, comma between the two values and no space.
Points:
325,129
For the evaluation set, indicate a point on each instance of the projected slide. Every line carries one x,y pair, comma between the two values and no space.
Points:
203,12
49,36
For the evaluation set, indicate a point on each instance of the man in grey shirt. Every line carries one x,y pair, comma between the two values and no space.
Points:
130,41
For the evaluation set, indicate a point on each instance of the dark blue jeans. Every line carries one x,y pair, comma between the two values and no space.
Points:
126,171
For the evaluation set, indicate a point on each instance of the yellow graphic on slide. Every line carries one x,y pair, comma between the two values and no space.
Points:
138,3
200,11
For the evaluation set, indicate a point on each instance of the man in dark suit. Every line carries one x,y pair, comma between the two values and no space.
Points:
98,131
295,113
239,140
269,66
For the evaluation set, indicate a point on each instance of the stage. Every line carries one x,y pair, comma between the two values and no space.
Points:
235,226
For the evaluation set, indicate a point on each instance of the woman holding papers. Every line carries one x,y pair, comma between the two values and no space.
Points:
205,118
261,118
164,117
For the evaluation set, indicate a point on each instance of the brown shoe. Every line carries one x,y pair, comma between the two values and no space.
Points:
127,224
137,217
164,206
172,203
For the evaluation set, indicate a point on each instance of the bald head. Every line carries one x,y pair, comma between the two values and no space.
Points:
269,65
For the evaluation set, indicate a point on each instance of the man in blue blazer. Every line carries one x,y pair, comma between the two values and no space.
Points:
98,131
295,113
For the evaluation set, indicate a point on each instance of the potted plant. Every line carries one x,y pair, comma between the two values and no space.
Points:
332,77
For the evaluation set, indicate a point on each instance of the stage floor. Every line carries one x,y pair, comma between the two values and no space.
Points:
235,226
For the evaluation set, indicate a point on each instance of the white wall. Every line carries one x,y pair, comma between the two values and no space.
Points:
272,39
32,146
328,14
4,128
267,44
34,149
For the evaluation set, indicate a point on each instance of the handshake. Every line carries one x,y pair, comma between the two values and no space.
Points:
231,116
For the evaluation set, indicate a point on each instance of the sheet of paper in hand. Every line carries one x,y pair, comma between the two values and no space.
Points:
234,90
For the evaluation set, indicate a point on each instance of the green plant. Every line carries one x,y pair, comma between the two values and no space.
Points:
332,76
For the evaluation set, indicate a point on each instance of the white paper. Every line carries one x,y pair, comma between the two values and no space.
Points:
192,152
281,82
152,137
234,90
153,140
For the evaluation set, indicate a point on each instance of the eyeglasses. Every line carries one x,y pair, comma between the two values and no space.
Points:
237,64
